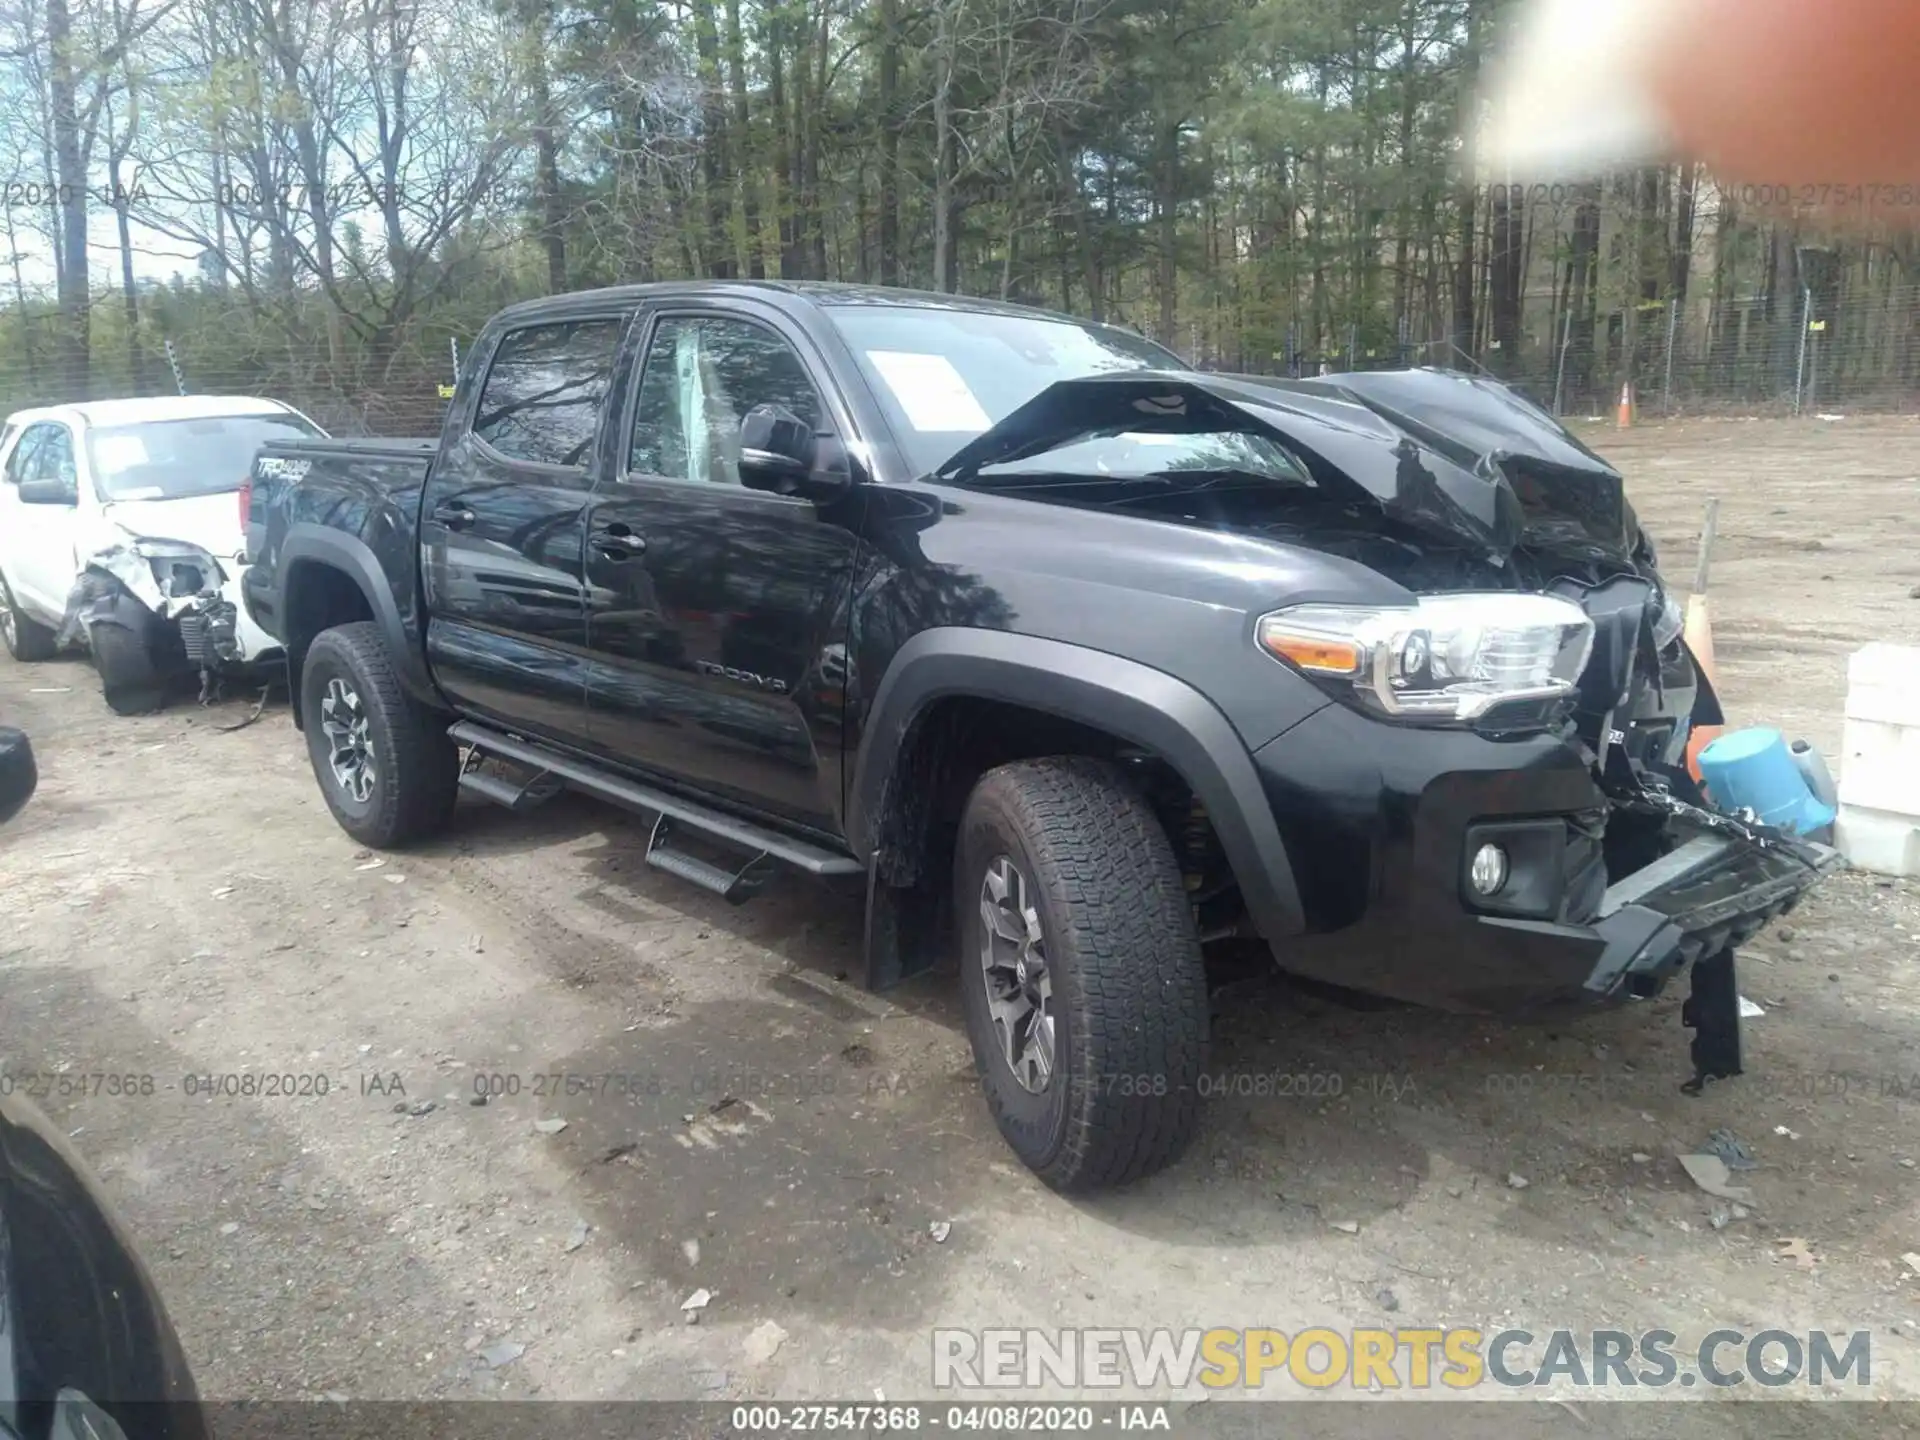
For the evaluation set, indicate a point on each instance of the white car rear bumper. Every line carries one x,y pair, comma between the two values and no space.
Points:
253,642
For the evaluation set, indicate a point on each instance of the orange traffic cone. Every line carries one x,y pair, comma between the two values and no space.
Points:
1626,407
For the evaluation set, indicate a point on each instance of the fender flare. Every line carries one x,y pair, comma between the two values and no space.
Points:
310,544
1138,704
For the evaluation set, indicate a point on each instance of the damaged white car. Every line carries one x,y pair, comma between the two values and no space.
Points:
123,530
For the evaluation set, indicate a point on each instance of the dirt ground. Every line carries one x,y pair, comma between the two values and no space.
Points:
178,904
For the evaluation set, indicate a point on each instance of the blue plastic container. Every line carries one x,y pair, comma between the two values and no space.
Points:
1755,770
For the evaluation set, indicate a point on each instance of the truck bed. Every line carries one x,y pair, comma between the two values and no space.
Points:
366,488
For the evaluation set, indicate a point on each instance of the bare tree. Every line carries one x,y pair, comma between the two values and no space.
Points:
85,50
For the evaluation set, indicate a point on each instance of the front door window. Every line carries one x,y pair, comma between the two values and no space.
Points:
702,377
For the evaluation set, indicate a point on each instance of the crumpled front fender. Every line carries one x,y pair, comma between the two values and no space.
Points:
120,581
100,597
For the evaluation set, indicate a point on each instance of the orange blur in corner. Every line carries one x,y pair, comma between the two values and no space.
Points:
1805,107
1795,92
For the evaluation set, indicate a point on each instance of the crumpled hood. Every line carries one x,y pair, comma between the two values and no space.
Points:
210,521
1452,455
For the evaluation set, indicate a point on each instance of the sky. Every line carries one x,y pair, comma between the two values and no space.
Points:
156,256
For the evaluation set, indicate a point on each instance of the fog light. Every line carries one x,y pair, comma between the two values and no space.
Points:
1489,871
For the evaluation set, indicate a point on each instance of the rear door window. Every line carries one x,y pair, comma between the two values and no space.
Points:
543,392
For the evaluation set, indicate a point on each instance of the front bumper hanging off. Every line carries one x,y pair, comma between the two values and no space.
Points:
1381,830
1702,899
1719,886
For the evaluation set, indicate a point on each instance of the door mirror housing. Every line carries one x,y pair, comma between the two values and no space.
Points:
41,491
780,453
775,444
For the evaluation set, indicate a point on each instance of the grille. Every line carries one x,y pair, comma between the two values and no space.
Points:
193,635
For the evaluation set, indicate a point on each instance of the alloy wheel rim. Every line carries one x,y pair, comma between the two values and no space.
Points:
8,626
350,755
1013,966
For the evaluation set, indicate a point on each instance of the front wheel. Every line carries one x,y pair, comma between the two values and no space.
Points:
131,677
385,764
1081,973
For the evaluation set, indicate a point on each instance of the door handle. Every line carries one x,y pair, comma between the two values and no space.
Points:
454,517
618,542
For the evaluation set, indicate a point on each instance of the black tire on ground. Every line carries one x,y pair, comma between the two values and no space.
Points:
1128,998
27,639
131,677
349,684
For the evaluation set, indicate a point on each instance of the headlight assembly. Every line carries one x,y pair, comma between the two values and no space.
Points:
1448,658
178,568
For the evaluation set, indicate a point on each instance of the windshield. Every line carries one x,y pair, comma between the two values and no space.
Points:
945,376
173,459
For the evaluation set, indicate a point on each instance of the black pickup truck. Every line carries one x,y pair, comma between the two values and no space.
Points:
1078,659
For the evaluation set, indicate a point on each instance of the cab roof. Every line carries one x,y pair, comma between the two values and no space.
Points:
794,293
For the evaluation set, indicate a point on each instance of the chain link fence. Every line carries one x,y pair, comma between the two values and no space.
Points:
404,395
1791,353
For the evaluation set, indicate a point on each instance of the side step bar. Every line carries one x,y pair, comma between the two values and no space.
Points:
733,886
756,840
506,794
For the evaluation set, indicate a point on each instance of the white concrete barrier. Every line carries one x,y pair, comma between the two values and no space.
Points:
1879,824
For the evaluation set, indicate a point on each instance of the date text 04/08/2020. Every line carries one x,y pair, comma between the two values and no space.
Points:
1265,1084
992,1418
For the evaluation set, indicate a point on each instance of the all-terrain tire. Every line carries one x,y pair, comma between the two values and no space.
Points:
27,639
415,776
131,677
1129,991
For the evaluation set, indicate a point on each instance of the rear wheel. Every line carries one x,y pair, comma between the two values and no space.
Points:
1081,974
385,764
27,639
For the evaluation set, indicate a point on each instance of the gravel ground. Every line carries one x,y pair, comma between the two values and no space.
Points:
682,1095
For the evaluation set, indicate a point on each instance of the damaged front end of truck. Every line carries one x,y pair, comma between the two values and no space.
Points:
1449,485
153,613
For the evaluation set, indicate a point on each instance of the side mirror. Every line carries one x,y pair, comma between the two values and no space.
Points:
775,446
48,492
779,452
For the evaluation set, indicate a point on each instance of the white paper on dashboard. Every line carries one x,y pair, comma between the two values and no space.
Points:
114,453
931,391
